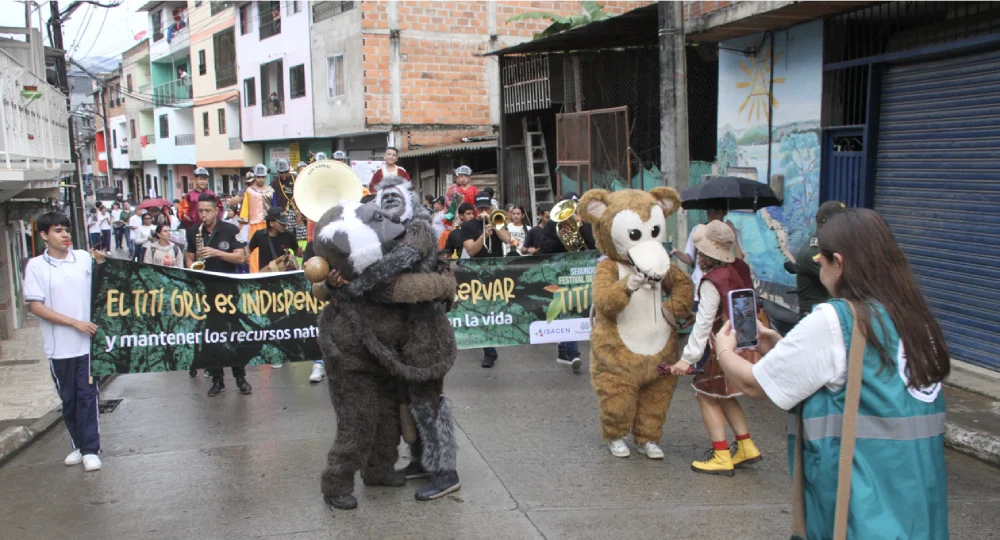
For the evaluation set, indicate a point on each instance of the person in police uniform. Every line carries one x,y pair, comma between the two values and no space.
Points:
806,267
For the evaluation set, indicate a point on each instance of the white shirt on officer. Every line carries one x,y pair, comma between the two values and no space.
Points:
64,287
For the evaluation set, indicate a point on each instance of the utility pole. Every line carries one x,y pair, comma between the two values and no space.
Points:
674,153
76,203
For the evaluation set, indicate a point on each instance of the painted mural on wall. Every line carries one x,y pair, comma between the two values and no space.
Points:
746,89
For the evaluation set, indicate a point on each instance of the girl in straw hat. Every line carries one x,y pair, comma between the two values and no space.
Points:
723,272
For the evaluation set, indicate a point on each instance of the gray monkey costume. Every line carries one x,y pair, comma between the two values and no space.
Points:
429,337
363,341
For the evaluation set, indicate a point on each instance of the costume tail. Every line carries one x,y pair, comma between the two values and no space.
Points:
437,434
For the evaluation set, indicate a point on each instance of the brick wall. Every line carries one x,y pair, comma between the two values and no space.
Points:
445,84
697,9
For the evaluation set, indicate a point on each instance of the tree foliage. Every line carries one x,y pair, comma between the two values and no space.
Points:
592,12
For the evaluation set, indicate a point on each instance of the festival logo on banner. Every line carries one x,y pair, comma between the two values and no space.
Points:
523,300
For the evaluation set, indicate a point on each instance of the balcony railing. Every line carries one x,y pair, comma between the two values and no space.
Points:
167,94
235,143
272,108
31,129
184,140
272,28
225,76
328,8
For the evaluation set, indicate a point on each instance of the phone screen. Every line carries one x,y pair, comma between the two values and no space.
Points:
743,315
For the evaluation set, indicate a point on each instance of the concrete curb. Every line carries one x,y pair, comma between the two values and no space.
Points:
978,444
17,438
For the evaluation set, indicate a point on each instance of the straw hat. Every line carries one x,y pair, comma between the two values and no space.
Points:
715,240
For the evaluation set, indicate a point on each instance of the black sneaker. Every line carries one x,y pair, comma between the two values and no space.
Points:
243,385
217,388
414,471
441,484
193,373
341,502
488,361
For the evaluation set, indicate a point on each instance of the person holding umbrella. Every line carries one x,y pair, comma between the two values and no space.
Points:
716,211
717,196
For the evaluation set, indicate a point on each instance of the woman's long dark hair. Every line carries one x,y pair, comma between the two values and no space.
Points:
876,270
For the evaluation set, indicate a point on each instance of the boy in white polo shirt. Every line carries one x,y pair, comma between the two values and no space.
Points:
57,289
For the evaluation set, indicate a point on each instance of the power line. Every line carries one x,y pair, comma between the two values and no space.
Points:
83,30
104,20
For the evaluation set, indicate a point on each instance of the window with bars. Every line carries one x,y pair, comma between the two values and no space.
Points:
335,76
157,18
222,121
164,127
249,92
202,64
224,52
245,19
128,82
219,7
204,123
272,88
297,81
325,10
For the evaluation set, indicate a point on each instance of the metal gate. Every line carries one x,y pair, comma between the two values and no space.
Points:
592,151
844,164
938,185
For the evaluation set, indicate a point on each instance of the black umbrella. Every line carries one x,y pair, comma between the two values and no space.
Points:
731,192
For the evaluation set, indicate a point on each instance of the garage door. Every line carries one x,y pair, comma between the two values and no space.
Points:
938,185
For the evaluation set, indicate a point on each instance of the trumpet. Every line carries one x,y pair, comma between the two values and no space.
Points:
567,226
499,219
199,243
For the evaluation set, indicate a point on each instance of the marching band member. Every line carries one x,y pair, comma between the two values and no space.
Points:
256,202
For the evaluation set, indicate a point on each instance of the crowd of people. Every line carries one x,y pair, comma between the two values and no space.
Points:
866,309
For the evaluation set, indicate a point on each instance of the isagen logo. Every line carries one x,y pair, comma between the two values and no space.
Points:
542,332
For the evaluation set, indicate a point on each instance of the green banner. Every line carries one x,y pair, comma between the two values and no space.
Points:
155,318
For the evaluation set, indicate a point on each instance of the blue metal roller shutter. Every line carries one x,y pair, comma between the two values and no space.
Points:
937,183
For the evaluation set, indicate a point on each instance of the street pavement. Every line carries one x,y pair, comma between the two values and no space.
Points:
178,464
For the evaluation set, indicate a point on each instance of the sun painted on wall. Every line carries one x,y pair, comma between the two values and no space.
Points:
772,127
759,72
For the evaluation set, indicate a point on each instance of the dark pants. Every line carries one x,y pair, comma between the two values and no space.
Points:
568,350
95,240
490,352
79,394
217,373
106,239
119,237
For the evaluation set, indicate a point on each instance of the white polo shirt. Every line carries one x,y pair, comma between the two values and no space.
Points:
64,287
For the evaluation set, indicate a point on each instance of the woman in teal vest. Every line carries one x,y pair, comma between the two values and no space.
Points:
898,480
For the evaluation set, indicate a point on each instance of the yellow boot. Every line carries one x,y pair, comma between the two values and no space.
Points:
745,452
716,462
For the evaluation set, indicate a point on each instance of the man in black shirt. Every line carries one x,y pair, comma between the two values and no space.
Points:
274,241
533,240
222,252
481,240
568,351
810,289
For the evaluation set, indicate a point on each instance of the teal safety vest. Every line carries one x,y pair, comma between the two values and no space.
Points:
898,488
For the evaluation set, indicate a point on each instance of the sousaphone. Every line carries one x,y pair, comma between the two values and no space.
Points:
323,185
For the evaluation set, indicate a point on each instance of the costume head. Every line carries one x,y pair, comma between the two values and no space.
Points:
352,236
630,226
395,195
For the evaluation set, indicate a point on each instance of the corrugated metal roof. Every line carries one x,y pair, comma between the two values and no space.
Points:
634,28
461,147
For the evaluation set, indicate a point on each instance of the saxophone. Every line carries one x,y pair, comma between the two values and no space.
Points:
199,243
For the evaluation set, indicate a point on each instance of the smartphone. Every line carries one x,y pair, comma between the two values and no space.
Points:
743,316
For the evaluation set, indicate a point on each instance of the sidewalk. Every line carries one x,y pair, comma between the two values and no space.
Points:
973,398
28,400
